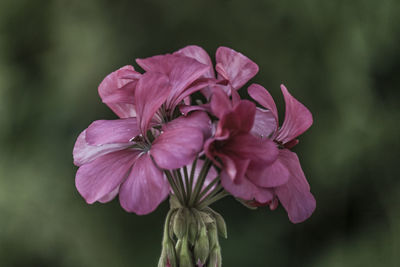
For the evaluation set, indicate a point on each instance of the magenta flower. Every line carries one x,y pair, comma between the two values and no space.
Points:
118,156
285,174
234,149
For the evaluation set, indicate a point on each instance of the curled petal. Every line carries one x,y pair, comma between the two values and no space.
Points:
84,153
220,103
151,92
100,177
177,147
117,91
295,195
264,98
145,188
112,131
297,118
235,67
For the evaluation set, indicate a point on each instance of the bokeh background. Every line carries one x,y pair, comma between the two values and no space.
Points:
340,58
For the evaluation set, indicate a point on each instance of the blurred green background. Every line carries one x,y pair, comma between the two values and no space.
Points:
340,58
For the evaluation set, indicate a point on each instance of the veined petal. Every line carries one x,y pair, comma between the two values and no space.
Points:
112,131
185,110
151,92
245,189
84,153
297,118
110,196
177,147
196,119
264,98
264,124
117,91
295,195
199,54
235,67
145,188
100,177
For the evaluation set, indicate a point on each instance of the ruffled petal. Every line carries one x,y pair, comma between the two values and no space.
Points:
264,124
295,195
117,91
233,165
245,189
220,103
151,92
297,118
145,188
240,119
196,119
235,67
177,147
112,131
264,98
100,177
84,153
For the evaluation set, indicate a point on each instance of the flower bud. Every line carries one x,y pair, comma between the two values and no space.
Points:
168,255
221,225
180,223
215,257
212,235
202,246
193,228
185,257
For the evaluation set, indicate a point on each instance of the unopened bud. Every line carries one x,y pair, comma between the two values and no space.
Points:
202,246
168,255
221,225
193,228
215,257
180,223
212,235
185,257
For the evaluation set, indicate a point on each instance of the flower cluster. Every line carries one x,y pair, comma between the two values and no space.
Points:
183,130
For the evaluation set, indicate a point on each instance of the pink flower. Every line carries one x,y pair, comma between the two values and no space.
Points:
126,156
285,174
234,149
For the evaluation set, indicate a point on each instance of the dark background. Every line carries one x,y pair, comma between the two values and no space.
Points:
340,58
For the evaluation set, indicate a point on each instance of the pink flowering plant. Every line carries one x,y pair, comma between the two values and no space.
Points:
193,149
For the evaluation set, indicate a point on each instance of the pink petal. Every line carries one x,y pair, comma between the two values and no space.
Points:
145,188
220,103
245,189
117,91
295,195
263,97
84,153
177,147
259,151
264,124
233,165
181,71
273,175
297,118
112,131
151,92
187,109
110,196
235,67
199,54
196,119
100,177
240,119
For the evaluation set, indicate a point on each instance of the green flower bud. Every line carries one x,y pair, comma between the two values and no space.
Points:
180,223
168,255
185,256
202,246
212,235
193,228
221,225
215,257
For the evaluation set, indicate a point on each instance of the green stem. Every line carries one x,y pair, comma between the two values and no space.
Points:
207,202
191,178
175,188
205,190
178,176
200,181
188,189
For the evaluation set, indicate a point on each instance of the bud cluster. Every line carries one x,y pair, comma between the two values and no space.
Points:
191,237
